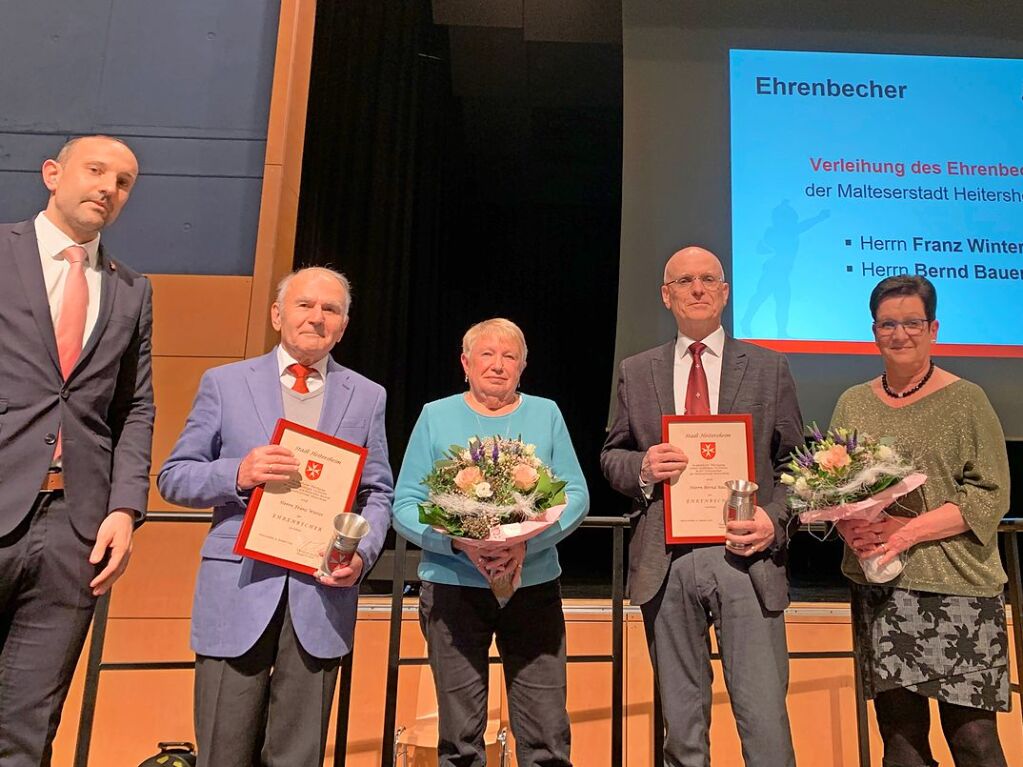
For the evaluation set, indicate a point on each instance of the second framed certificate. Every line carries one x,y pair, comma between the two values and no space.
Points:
719,448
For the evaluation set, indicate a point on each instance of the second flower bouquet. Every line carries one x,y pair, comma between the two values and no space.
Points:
491,494
846,475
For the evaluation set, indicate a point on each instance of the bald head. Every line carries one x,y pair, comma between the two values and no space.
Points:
695,291
692,260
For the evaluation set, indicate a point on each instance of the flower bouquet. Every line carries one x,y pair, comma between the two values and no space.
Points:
492,494
845,475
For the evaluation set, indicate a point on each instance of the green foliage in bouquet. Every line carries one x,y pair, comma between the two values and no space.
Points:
492,481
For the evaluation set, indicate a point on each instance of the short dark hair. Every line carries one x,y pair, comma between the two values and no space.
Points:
905,285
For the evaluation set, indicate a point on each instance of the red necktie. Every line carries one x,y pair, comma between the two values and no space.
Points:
697,396
301,373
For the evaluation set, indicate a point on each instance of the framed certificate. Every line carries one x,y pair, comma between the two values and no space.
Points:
291,522
719,448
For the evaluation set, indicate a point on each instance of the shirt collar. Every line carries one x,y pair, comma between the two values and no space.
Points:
285,360
715,343
52,241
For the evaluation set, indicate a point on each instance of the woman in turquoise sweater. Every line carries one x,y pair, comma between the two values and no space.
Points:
458,612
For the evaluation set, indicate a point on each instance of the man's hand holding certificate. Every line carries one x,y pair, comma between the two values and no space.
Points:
302,482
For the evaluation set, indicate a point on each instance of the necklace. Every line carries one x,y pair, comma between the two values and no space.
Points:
914,390
507,426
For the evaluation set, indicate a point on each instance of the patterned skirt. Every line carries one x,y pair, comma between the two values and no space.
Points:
951,648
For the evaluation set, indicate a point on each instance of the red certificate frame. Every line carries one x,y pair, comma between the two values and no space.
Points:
290,523
694,502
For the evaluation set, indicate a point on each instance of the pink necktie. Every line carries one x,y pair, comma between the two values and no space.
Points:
697,393
74,304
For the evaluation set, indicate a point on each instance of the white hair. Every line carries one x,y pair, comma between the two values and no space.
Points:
498,327
282,286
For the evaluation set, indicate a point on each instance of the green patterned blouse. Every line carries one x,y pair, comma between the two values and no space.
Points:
954,437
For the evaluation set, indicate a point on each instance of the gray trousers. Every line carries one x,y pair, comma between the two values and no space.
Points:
45,609
459,623
708,586
270,707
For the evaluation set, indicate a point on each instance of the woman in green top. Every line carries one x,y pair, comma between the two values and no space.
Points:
938,630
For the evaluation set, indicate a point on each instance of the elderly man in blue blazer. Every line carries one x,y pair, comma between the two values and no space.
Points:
268,641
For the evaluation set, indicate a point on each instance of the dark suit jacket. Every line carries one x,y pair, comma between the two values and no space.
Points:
105,408
753,380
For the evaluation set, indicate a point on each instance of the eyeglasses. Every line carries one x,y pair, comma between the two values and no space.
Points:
886,328
708,281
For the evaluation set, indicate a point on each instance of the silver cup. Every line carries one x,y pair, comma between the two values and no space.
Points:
349,529
740,504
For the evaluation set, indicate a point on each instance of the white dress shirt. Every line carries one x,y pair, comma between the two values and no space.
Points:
52,241
711,366
316,377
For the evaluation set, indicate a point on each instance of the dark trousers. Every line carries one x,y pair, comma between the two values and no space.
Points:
459,623
45,609
707,587
267,708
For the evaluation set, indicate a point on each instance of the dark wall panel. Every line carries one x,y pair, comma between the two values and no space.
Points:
187,84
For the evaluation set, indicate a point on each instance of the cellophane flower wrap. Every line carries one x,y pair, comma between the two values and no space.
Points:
492,493
844,475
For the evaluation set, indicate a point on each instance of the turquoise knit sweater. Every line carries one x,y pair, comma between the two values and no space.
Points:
450,421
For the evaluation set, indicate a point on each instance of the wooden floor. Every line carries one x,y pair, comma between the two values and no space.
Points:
138,708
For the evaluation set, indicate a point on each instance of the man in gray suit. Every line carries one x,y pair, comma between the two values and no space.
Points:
740,587
76,425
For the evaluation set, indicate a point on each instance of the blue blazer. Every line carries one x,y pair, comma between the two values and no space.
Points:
235,410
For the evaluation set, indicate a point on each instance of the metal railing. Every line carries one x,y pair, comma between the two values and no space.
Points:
1009,530
95,664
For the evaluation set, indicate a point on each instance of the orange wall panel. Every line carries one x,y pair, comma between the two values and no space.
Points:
175,381
160,580
203,316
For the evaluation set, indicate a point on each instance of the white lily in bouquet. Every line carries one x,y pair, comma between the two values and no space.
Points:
490,495
846,475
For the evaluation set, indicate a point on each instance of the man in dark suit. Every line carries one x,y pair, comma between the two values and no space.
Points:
268,641
76,425
740,587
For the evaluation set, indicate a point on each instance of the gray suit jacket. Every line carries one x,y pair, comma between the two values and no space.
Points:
105,408
753,380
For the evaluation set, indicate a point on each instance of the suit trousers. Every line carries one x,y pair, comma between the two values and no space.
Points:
269,707
459,623
707,586
45,609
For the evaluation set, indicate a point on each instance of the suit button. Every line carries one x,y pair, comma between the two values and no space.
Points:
64,394
50,439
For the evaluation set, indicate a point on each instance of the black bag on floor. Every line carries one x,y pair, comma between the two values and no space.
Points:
177,754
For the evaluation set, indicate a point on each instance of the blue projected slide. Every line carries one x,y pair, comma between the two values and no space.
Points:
847,168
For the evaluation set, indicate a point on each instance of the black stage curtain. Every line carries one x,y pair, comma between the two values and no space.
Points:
439,227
